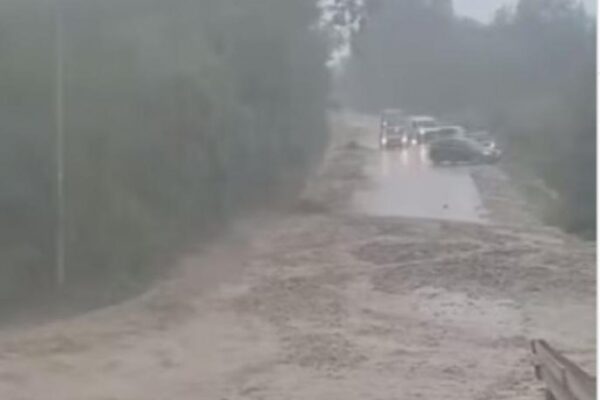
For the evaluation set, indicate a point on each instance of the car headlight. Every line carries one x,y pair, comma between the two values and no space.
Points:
404,139
384,140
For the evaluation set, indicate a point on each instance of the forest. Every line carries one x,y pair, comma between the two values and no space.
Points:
176,117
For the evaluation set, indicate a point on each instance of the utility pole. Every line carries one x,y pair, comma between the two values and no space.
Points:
60,273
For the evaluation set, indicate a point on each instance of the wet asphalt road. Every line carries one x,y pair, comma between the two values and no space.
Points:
403,182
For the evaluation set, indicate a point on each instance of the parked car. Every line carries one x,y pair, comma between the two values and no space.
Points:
392,130
417,125
442,132
454,150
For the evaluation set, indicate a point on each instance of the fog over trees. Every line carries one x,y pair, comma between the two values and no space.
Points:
529,77
178,115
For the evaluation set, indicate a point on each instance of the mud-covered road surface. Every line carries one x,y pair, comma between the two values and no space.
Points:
325,302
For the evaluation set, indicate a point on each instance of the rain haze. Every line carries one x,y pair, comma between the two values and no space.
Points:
484,10
297,199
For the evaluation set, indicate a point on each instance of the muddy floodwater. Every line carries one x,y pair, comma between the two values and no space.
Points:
320,304
403,182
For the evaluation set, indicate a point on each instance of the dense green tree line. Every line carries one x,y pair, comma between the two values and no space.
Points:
178,116
529,76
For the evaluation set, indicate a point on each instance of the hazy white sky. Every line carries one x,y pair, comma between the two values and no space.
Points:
483,10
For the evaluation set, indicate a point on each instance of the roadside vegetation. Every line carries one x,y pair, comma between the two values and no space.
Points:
529,77
179,115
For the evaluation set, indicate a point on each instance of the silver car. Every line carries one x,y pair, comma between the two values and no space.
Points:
417,125
442,132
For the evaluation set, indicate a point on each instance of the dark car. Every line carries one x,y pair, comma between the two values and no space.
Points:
454,150
392,129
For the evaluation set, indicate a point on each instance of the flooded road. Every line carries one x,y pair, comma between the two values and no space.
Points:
324,305
403,182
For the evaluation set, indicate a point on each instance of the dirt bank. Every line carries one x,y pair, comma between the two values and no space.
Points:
322,303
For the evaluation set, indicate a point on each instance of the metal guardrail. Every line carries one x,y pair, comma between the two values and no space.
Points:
564,379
